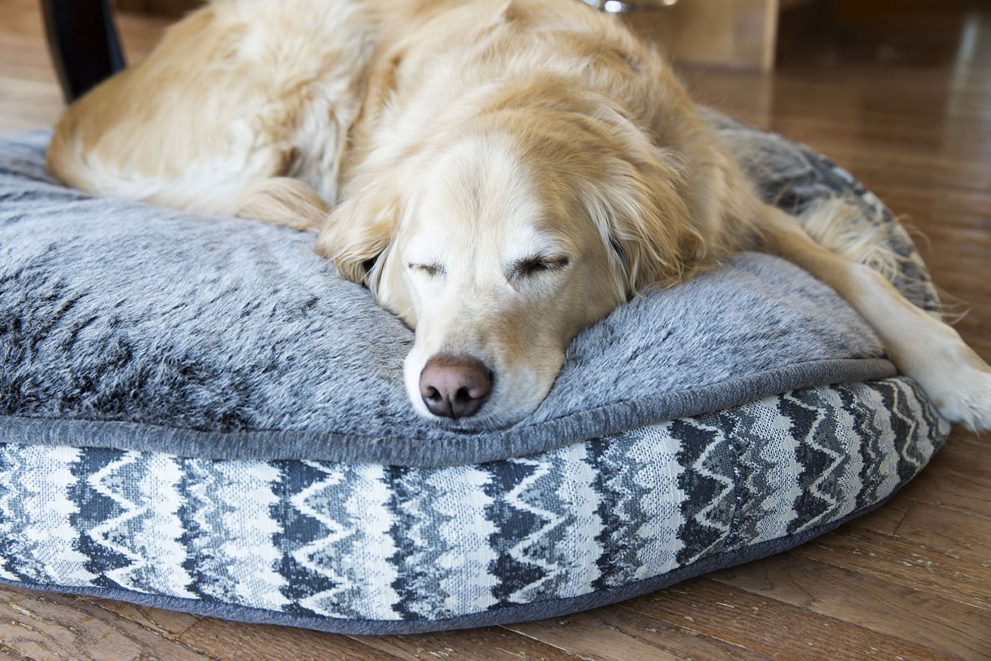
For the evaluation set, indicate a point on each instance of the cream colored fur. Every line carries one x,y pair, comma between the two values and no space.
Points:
500,174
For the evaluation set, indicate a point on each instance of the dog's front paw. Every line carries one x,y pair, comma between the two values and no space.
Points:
963,395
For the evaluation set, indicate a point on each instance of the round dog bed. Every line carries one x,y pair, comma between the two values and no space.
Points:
197,414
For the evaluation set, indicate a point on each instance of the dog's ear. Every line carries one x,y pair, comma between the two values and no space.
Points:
640,207
360,230
510,11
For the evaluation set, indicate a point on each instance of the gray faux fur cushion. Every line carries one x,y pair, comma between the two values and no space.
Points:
137,327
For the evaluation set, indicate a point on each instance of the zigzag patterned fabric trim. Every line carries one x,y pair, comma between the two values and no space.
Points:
313,539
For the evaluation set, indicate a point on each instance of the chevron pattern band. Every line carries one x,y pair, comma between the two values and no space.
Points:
388,543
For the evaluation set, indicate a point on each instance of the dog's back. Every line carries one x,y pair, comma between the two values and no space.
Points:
242,93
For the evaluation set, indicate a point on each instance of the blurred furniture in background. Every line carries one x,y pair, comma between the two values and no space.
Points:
734,33
83,42
741,34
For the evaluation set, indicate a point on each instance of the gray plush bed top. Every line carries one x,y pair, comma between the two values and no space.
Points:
137,327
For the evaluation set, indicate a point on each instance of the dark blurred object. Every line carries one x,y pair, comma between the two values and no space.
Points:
857,32
83,42
158,7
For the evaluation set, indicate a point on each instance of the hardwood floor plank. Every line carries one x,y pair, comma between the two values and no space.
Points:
487,644
948,531
946,488
918,617
904,562
967,454
757,623
235,641
884,520
893,139
39,625
168,623
888,166
620,634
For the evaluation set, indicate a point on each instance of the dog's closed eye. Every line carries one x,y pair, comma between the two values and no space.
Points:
430,270
533,266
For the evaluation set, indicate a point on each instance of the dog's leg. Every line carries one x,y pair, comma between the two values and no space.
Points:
956,379
283,201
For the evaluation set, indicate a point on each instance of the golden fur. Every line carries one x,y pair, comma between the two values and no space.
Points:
499,173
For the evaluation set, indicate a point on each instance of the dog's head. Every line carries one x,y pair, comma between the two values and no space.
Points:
500,241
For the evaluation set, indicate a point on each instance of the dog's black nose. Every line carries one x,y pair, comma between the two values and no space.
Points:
455,386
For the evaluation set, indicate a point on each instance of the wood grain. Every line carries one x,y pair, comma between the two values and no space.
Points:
900,96
479,644
620,634
907,563
43,626
232,640
946,626
758,623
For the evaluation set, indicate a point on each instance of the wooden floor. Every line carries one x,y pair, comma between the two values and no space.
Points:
906,106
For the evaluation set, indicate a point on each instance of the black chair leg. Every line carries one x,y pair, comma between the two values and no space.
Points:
83,43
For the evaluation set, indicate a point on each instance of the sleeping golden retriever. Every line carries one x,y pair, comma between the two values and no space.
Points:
500,174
